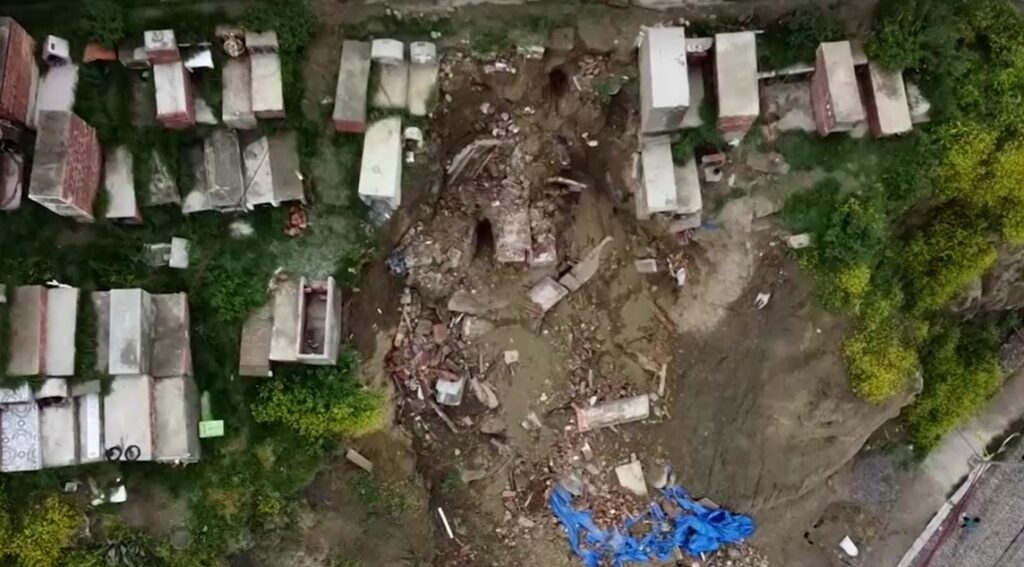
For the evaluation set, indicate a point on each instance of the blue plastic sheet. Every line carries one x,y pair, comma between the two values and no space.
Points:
695,530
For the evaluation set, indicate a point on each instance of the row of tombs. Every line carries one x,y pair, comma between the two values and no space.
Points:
236,168
843,91
142,403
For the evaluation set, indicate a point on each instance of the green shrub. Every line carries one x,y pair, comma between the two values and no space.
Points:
48,527
951,251
912,33
794,38
879,358
102,21
322,403
961,372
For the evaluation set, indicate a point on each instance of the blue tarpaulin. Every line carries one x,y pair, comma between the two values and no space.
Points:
695,529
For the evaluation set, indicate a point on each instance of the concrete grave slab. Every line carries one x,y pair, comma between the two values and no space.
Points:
56,89
254,353
284,331
61,328
27,320
380,174
58,434
52,388
162,188
225,188
351,91
172,348
132,315
119,183
177,420
89,414
664,93
128,417
236,94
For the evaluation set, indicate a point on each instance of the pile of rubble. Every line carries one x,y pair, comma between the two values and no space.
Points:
741,555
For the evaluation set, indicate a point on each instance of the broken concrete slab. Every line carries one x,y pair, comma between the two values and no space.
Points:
617,412
646,265
236,94
423,73
692,118
172,348
12,181
353,85
162,188
659,192
176,405
358,460
631,477
178,258
119,183
585,269
196,200
27,321
284,331
547,293
56,90
157,255
284,168
101,306
319,333
254,353
52,388
204,114
799,241
225,188
449,392
474,327
688,195
132,315
392,86
61,326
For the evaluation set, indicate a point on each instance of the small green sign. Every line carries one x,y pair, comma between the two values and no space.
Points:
209,429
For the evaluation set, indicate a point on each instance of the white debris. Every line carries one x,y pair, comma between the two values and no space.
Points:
511,356
762,299
798,241
681,277
631,477
241,229
849,547
646,265
616,412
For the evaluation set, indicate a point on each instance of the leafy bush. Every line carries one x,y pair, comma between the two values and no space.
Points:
964,149
961,372
879,358
321,403
42,533
102,21
912,33
945,256
794,38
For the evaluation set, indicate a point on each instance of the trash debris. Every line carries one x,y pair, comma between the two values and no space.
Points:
493,425
573,483
849,547
358,460
646,265
626,410
689,526
297,220
798,241
680,277
444,520
449,392
532,422
585,269
241,229
568,183
547,293
71,486
178,258
762,299
484,393
631,477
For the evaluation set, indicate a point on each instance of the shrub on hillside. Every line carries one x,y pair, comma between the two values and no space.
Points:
951,251
794,38
321,403
40,534
911,33
961,372
103,21
879,358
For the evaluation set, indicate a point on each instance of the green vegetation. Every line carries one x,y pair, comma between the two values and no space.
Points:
389,499
103,21
321,404
706,137
905,225
37,535
245,485
794,37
